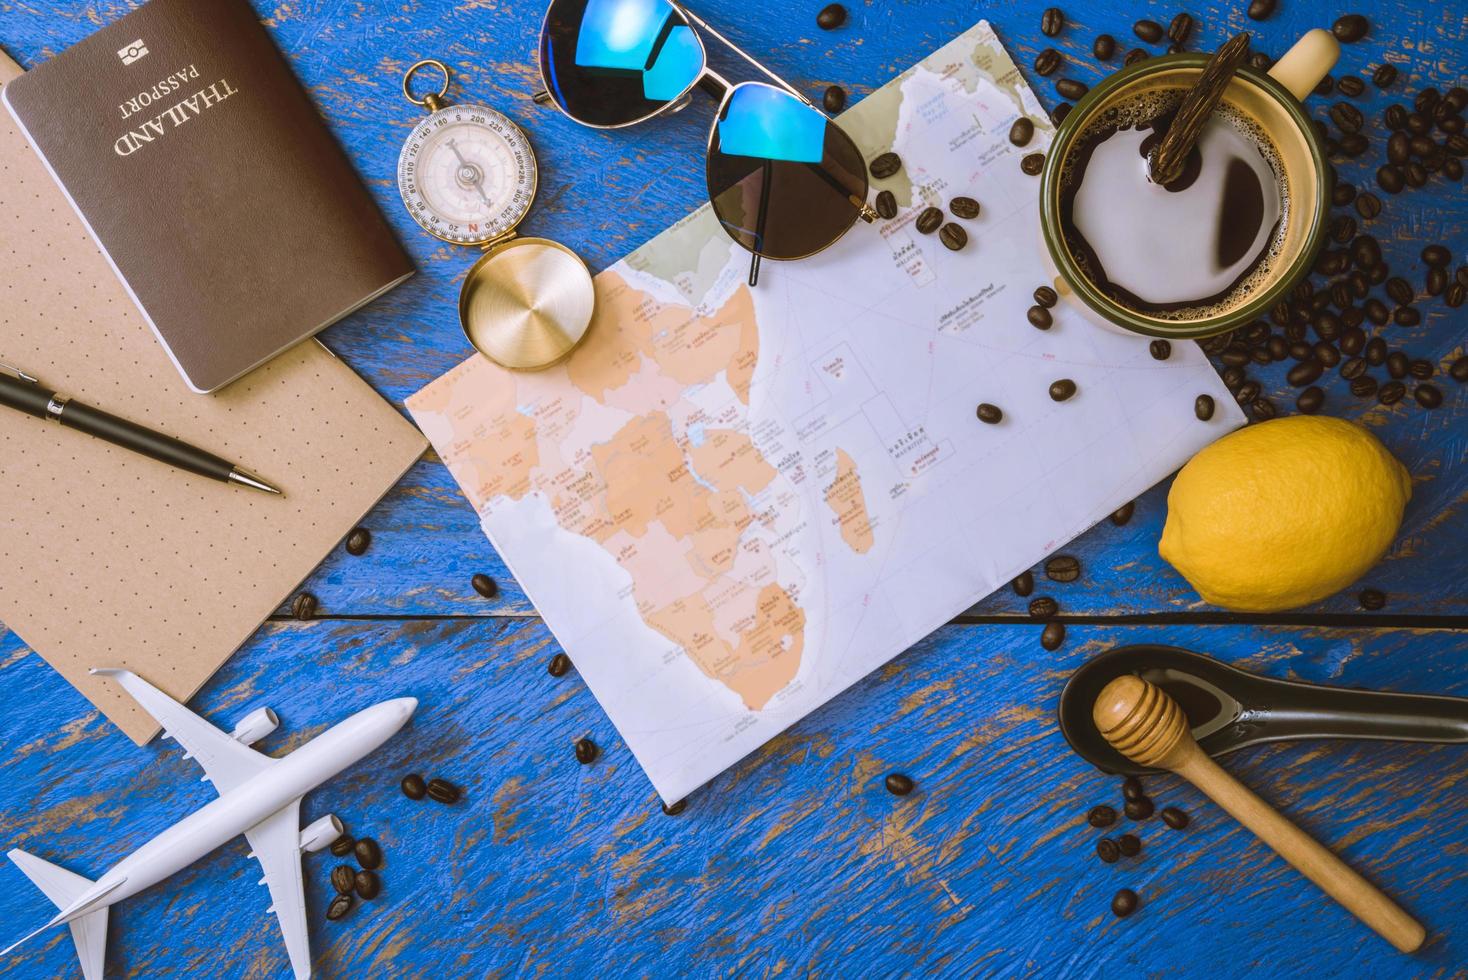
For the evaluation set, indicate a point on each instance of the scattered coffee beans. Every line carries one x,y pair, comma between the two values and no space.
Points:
1203,407
990,414
831,17
1310,400
1384,76
1123,514
835,99
368,854
1043,607
929,220
964,207
1391,392
1180,29
1045,296
1437,255
1104,47
1351,86
1063,568
1047,61
1368,206
674,809
1062,389
1024,584
885,165
1260,9
1069,88
1148,30
953,237
1130,844
358,541
367,884
342,846
586,751
484,585
1108,850
339,907
898,784
1161,350
342,878
1032,163
1123,903
1458,371
304,606
1364,386
443,791
1174,818
886,205
1133,56
1052,21
1428,396
1138,809
1350,28
1132,789
559,665
1022,131
1305,373
1372,599
1052,637
413,786
1039,317
1101,816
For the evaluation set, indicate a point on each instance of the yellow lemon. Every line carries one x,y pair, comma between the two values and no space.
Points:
1283,513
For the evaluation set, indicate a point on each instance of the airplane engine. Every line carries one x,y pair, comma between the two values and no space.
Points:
321,833
255,726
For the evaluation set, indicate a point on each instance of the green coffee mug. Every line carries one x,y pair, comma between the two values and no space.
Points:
1272,101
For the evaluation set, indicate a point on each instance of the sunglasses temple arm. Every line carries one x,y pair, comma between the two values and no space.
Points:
706,26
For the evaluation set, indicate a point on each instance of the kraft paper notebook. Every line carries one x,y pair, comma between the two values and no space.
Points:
112,559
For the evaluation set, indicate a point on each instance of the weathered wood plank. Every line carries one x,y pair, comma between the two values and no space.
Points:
795,862
603,193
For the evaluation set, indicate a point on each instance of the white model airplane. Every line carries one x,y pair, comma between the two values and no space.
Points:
259,797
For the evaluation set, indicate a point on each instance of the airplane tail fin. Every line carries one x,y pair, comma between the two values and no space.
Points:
63,888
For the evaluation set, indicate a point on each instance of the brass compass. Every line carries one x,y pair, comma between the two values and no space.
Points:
468,176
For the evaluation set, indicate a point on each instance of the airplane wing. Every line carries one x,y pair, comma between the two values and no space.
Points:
226,762
276,844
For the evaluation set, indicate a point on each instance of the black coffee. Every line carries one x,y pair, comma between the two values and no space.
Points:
1181,252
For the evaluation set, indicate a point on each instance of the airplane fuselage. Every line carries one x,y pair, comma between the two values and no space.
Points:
251,802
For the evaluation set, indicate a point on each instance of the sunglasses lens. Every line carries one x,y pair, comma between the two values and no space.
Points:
613,62
784,180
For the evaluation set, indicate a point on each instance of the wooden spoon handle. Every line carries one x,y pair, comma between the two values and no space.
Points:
1308,857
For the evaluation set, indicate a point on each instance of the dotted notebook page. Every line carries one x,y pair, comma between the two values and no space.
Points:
112,559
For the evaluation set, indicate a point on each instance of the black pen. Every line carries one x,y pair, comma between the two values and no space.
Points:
20,391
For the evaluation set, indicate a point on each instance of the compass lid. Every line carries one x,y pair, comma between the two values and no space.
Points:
527,304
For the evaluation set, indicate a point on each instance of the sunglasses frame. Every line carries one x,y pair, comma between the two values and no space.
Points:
720,88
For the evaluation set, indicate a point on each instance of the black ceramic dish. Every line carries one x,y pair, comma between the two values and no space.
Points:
1230,709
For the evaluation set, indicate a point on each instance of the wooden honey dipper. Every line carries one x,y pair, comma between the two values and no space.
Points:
1145,725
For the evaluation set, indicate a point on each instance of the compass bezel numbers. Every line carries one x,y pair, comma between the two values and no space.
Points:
526,175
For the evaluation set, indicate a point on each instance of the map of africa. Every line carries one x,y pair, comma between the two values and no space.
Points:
730,503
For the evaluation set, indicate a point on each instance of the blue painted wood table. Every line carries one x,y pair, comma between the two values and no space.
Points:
797,861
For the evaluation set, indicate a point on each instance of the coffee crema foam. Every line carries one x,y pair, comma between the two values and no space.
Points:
1140,112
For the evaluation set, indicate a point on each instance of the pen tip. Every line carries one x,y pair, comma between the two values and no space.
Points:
245,479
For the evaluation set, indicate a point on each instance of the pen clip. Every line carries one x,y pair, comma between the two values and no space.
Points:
11,369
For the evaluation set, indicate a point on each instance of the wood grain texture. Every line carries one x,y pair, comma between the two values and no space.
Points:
796,862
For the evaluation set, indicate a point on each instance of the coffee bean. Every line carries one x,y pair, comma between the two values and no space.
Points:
1421,146
586,751
1235,355
1326,354
1421,369
1108,850
1372,599
1365,252
1342,194
1310,400
1123,514
1160,350
1104,47
342,846
929,220
1069,88
1428,396
1391,179
413,786
1377,312
1304,373
1263,409
1347,117
885,166
367,884
1063,568
1415,174
1052,21
341,878
1130,844
1039,317
1350,28
1260,9
1458,371
1023,584
674,809
832,16
1457,145
1353,144
1400,290
953,237
1325,86
964,207
1351,86
1277,347
1395,116
1052,637
1139,809
1123,903
1364,386
1248,391
1436,282
1047,61
304,606
559,665
368,854
1368,206
1260,61
1101,816
1384,76
1132,789
1455,295
1043,607
339,907
898,784
886,205
443,791
1397,364
1391,392
1045,296
1062,389
1203,407
1300,350
1418,123
1426,99
1022,130
1437,255
1406,316
358,541
1148,30
835,99
1457,97
1259,355
1174,818
484,585
1061,110
1354,368
1135,55
990,414
1180,29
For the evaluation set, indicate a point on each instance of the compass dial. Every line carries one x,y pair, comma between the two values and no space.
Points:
467,174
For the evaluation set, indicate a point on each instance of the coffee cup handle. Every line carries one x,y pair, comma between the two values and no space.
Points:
1305,64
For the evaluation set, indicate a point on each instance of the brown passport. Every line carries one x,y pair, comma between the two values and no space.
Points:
211,183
